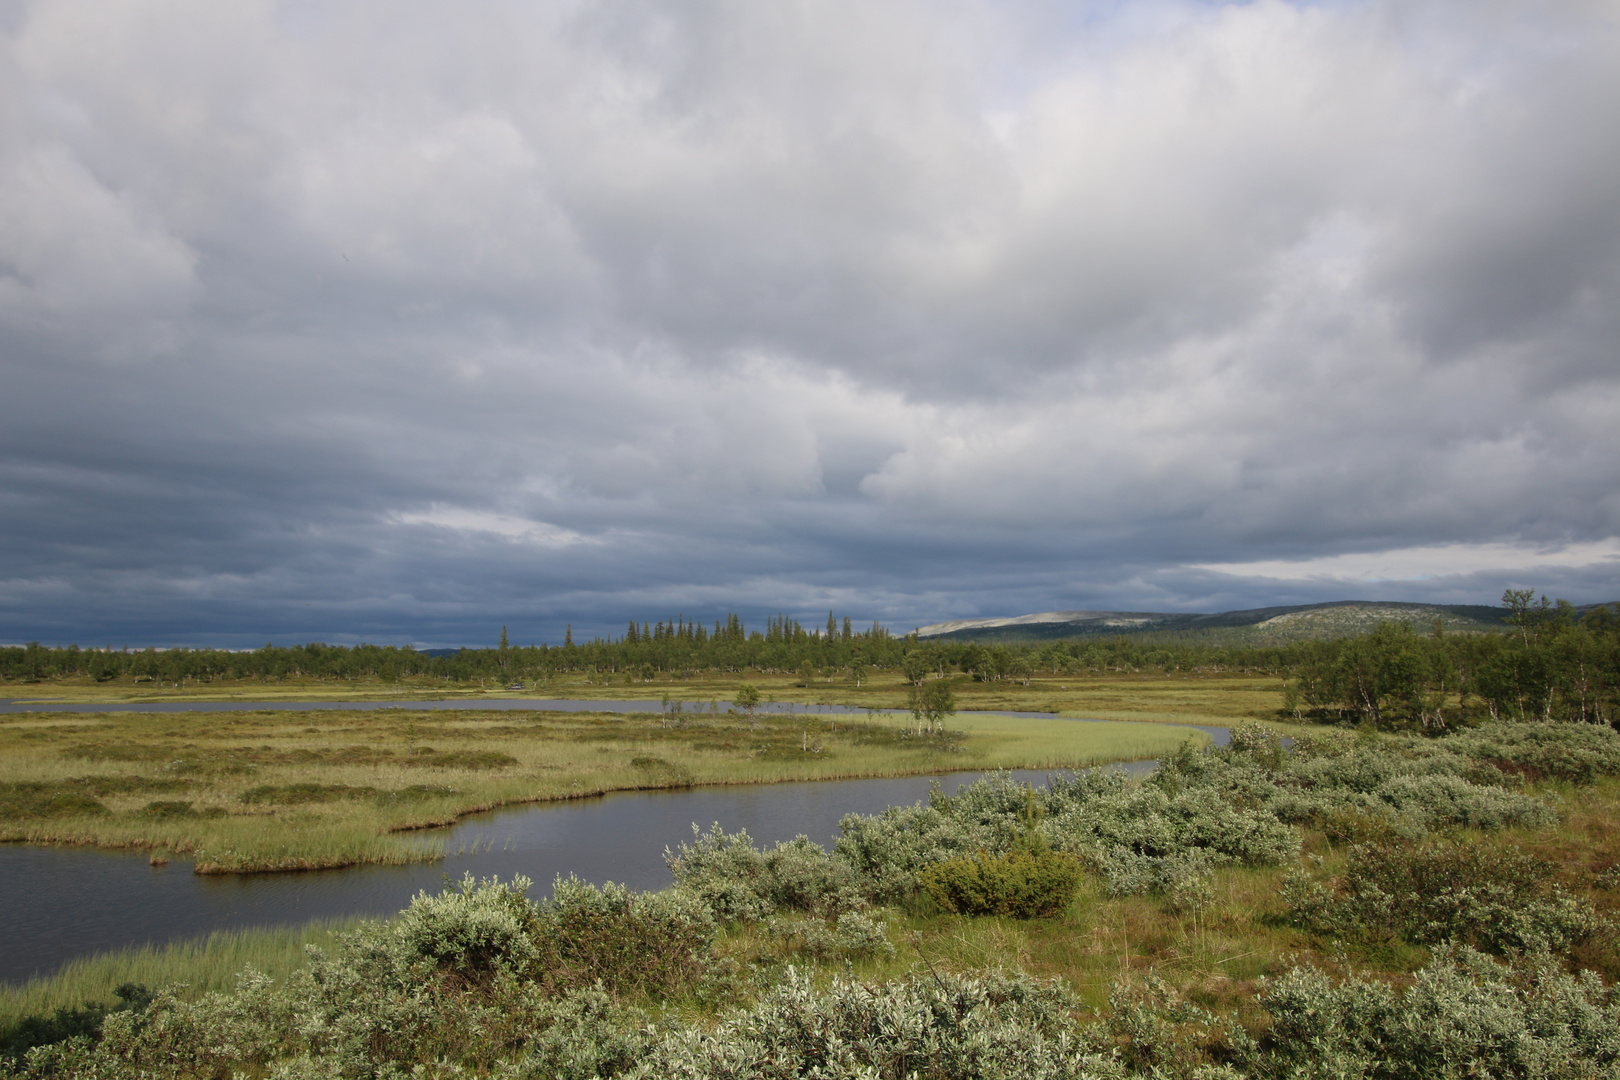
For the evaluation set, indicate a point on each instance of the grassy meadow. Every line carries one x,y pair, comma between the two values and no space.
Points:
281,790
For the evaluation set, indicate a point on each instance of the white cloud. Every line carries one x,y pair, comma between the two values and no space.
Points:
462,520
1436,561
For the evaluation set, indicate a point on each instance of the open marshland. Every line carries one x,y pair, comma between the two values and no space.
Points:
1174,696
279,790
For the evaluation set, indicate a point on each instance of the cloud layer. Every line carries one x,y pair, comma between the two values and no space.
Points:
400,321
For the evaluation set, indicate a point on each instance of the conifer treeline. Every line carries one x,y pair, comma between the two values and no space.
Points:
1548,663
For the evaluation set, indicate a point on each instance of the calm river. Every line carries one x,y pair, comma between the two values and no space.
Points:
58,903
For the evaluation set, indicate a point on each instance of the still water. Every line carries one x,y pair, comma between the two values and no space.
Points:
58,903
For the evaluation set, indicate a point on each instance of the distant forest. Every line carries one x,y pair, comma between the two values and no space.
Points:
1549,662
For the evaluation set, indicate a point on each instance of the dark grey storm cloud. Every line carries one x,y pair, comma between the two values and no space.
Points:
401,321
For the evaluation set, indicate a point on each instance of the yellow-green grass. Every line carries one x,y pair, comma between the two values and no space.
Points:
374,777
203,965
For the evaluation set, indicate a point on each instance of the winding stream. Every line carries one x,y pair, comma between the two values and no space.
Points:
58,903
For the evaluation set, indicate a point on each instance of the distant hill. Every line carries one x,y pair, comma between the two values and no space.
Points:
1255,626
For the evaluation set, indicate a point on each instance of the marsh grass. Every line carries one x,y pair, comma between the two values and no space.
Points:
278,790
203,965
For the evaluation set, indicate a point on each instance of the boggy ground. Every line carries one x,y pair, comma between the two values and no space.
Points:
280,790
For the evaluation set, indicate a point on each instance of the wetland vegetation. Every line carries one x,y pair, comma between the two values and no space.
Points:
1361,904
275,790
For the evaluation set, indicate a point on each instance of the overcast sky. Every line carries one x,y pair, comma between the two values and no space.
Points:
399,321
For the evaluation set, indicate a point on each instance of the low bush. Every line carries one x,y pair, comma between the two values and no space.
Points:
82,1022
451,988
1577,753
737,881
946,1027
178,808
584,1036
648,944
1492,897
1021,884
458,759
1182,878
412,793
1465,1015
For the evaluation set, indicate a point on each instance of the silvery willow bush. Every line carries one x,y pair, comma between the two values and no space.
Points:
736,881
942,1027
1493,897
1199,810
1464,1014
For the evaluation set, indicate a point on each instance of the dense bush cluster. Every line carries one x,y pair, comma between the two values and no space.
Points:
1239,806
1465,1014
1495,898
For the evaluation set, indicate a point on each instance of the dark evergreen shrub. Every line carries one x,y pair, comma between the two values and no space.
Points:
1022,884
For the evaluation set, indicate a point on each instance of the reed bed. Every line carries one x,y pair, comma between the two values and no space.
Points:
202,965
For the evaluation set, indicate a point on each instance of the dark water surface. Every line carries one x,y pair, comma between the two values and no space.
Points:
58,903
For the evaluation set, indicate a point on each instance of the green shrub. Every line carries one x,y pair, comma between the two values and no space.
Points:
476,930
458,759
64,1024
653,944
853,934
584,1036
412,793
1442,801
1182,878
1021,884
1574,752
